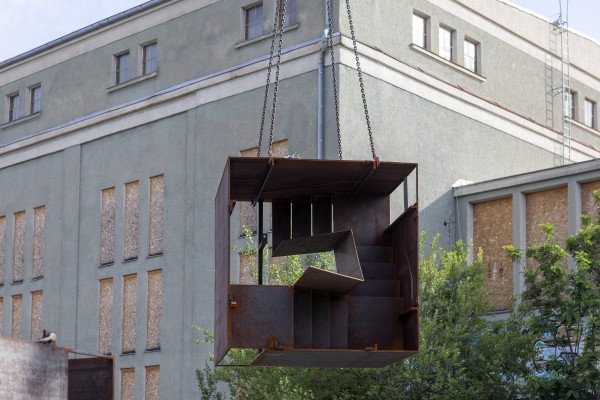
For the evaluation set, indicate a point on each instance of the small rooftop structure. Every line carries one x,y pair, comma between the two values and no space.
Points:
363,315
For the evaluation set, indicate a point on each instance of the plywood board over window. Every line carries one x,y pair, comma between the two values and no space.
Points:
105,316
154,310
19,247
156,217
37,299
39,226
16,321
129,313
492,229
548,206
588,202
128,384
132,217
107,229
152,383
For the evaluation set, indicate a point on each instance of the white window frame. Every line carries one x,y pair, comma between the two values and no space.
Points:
570,99
35,105
420,30
143,61
447,50
250,34
590,118
14,112
117,70
291,14
476,59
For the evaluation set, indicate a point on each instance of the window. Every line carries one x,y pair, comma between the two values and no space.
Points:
13,107
590,113
291,13
253,21
122,70
471,60
571,104
149,64
35,104
420,31
447,44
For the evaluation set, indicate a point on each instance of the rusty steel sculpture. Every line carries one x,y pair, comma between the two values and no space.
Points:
363,315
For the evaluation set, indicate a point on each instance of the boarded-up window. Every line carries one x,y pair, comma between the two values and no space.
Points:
247,269
37,299
39,224
129,313
154,310
492,229
105,316
548,206
107,230
18,247
588,203
152,383
16,322
1,313
2,249
127,384
132,217
156,217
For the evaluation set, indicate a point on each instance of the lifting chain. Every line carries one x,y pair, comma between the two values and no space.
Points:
333,72
280,11
362,86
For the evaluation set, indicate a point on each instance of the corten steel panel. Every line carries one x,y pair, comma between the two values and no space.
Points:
339,322
302,318
282,229
405,241
374,322
261,316
310,244
321,280
222,337
346,257
324,358
91,379
367,216
322,214
321,321
297,177
301,224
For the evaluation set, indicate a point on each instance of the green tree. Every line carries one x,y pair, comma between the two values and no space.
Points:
462,354
561,307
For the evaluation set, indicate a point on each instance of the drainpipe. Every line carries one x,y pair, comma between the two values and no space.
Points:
320,91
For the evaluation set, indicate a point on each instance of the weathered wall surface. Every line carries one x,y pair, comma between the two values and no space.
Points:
32,371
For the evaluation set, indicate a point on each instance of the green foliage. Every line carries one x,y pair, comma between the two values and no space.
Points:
462,356
562,307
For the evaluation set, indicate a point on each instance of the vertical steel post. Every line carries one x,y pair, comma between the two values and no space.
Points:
260,242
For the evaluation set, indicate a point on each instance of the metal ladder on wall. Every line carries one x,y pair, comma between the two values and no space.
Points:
559,47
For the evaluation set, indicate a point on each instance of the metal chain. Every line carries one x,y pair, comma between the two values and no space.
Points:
264,110
335,91
360,79
280,21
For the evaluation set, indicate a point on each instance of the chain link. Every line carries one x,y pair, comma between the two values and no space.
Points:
360,79
280,20
264,110
333,72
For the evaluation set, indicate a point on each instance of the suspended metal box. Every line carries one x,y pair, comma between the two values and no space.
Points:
363,315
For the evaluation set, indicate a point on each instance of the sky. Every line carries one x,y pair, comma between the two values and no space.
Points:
26,24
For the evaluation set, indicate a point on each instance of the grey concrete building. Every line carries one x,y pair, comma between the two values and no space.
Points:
113,140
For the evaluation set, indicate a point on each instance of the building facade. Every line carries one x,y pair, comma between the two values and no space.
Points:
113,140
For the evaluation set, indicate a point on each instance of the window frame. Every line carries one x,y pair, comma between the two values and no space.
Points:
14,112
442,50
593,123
287,20
424,34
153,61
35,104
476,60
571,105
117,58
249,33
